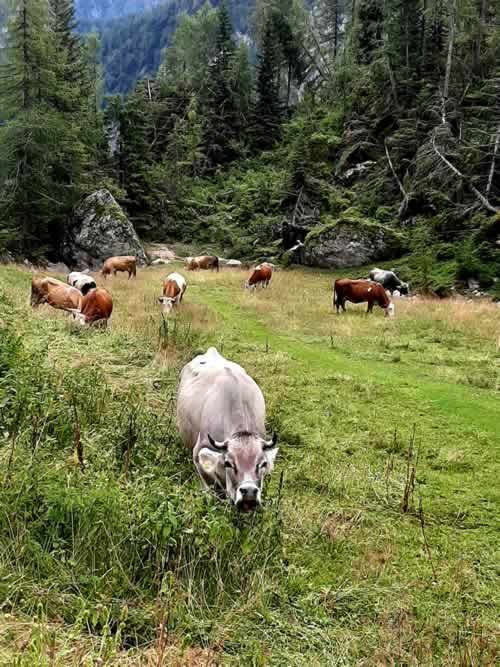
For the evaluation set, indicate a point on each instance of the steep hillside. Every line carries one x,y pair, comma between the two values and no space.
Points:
131,45
108,9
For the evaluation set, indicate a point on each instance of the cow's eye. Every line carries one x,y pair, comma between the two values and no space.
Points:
228,464
263,464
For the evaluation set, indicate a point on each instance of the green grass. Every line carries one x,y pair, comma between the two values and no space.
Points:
128,561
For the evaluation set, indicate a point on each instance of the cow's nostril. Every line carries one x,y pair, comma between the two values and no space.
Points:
249,492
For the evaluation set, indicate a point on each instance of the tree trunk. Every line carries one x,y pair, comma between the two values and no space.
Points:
423,43
449,58
493,161
479,38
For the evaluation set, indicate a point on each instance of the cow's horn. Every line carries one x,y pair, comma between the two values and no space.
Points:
218,446
270,444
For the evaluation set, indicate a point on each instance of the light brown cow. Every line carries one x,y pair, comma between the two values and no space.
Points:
261,275
203,262
54,292
127,263
95,308
361,291
174,287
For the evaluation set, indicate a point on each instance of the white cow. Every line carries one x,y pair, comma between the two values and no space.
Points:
221,418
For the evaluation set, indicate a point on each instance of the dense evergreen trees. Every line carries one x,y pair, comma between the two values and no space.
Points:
405,93
46,139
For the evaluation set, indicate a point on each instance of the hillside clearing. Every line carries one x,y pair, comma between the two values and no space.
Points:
129,562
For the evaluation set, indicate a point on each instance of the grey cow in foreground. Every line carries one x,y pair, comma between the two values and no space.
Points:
389,280
221,418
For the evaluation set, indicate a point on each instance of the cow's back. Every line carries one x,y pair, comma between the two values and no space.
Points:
217,396
97,305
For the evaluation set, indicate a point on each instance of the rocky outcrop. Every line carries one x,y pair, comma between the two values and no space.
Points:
100,230
341,244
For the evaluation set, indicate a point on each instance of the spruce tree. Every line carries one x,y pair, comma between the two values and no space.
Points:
43,154
268,112
222,127
369,27
25,135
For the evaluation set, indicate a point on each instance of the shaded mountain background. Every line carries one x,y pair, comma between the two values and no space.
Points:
371,126
134,34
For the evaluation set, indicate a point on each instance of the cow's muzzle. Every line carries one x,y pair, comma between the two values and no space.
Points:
248,498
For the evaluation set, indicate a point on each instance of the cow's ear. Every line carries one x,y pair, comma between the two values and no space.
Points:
271,455
208,461
269,444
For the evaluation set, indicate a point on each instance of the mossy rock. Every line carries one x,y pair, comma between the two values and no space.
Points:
351,241
100,230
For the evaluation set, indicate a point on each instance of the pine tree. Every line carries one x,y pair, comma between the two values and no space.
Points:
369,26
268,112
222,126
24,136
43,156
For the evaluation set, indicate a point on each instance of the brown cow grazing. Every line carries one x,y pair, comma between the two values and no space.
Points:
174,287
361,291
54,292
203,262
127,263
95,308
261,275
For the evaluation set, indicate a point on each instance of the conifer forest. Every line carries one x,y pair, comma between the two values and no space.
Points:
206,458
372,111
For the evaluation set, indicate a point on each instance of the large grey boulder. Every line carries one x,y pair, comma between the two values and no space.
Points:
100,230
345,244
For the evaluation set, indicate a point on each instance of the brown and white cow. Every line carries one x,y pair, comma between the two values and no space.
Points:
54,292
261,275
126,263
174,286
202,262
361,291
95,308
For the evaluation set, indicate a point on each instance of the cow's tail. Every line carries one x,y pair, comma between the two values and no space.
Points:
334,293
217,264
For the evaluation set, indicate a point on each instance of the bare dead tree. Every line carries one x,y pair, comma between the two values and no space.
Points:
484,200
404,203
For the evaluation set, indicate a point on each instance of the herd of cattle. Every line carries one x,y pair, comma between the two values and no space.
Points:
220,408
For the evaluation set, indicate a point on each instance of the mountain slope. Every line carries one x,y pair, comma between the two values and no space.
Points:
132,45
89,10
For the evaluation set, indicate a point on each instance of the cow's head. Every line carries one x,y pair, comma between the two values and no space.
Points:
78,317
36,298
389,311
238,465
404,288
167,303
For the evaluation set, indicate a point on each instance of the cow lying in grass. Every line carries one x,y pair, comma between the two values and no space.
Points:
54,292
361,291
95,308
221,418
174,287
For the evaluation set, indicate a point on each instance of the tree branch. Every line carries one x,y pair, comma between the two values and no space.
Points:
493,161
484,201
404,203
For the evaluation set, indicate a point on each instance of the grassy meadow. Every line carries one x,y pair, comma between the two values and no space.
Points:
379,543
